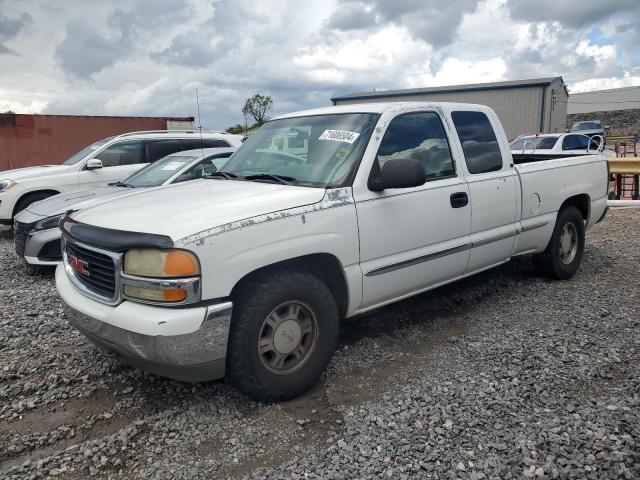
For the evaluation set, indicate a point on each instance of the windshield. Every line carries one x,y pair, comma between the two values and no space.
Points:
586,126
159,172
319,150
85,151
541,143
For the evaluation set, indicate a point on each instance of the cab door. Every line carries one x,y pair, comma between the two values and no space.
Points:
413,238
493,188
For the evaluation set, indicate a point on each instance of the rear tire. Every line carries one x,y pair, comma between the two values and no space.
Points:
563,255
284,330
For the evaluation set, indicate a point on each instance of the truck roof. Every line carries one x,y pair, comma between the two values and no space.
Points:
384,107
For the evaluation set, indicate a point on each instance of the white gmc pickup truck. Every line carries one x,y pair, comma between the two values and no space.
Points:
247,273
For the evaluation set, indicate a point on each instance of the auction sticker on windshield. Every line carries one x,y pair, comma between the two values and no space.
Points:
339,136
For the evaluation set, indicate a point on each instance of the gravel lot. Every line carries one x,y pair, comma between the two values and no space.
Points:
503,375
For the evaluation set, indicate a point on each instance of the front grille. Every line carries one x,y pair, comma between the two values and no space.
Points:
100,276
20,231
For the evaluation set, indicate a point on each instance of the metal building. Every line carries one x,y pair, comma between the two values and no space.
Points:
524,106
626,98
29,140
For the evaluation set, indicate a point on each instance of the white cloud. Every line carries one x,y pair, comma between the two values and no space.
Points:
455,72
387,47
604,53
35,106
146,57
605,83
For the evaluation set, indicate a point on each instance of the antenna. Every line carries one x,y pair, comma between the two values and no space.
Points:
199,122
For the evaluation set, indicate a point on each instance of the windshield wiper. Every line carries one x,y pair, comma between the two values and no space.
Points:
281,179
221,174
120,184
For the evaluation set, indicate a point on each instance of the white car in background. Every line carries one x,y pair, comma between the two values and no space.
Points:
36,232
108,160
548,146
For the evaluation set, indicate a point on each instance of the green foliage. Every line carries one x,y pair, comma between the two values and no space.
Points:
236,129
258,106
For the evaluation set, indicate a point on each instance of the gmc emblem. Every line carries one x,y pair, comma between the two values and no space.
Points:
78,265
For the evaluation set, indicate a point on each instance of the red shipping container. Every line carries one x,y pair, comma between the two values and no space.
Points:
29,140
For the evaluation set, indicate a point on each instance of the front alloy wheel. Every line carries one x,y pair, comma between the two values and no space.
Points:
287,337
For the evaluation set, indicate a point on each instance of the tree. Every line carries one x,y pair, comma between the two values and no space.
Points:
258,106
237,129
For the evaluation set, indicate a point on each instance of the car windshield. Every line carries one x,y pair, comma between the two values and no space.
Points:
540,143
159,172
85,151
318,150
586,126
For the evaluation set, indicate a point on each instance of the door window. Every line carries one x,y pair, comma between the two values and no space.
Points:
157,149
418,136
575,142
123,153
479,143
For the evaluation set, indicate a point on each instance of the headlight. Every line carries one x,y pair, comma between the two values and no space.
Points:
161,275
6,185
47,223
161,263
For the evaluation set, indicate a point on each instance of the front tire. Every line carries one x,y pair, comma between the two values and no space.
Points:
563,255
28,199
284,330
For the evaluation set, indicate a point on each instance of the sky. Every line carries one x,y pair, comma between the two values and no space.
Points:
148,57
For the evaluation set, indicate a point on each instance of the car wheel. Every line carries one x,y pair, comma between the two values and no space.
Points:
563,255
284,330
28,199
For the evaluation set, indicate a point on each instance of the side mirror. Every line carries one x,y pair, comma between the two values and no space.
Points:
93,164
399,173
606,127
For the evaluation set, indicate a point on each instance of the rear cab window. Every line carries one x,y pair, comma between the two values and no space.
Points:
575,142
528,143
479,142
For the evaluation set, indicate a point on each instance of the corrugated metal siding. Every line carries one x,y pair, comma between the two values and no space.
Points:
555,108
51,139
518,108
626,98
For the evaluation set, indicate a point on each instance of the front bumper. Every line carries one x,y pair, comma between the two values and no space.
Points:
188,344
42,247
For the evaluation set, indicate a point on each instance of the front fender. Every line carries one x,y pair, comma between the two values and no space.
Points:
228,254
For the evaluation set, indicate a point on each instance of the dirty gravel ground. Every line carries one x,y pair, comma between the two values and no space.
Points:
503,375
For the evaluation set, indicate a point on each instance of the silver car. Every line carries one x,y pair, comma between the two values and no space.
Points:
36,232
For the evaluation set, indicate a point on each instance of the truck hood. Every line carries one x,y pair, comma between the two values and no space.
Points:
187,208
62,203
31,172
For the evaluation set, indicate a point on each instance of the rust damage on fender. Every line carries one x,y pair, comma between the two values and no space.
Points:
333,198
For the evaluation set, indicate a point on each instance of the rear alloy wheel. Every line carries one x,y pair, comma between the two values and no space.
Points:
568,244
563,255
283,332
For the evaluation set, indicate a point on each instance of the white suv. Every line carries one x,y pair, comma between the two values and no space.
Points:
105,161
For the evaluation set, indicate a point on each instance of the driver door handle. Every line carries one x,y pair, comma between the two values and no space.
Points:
459,199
